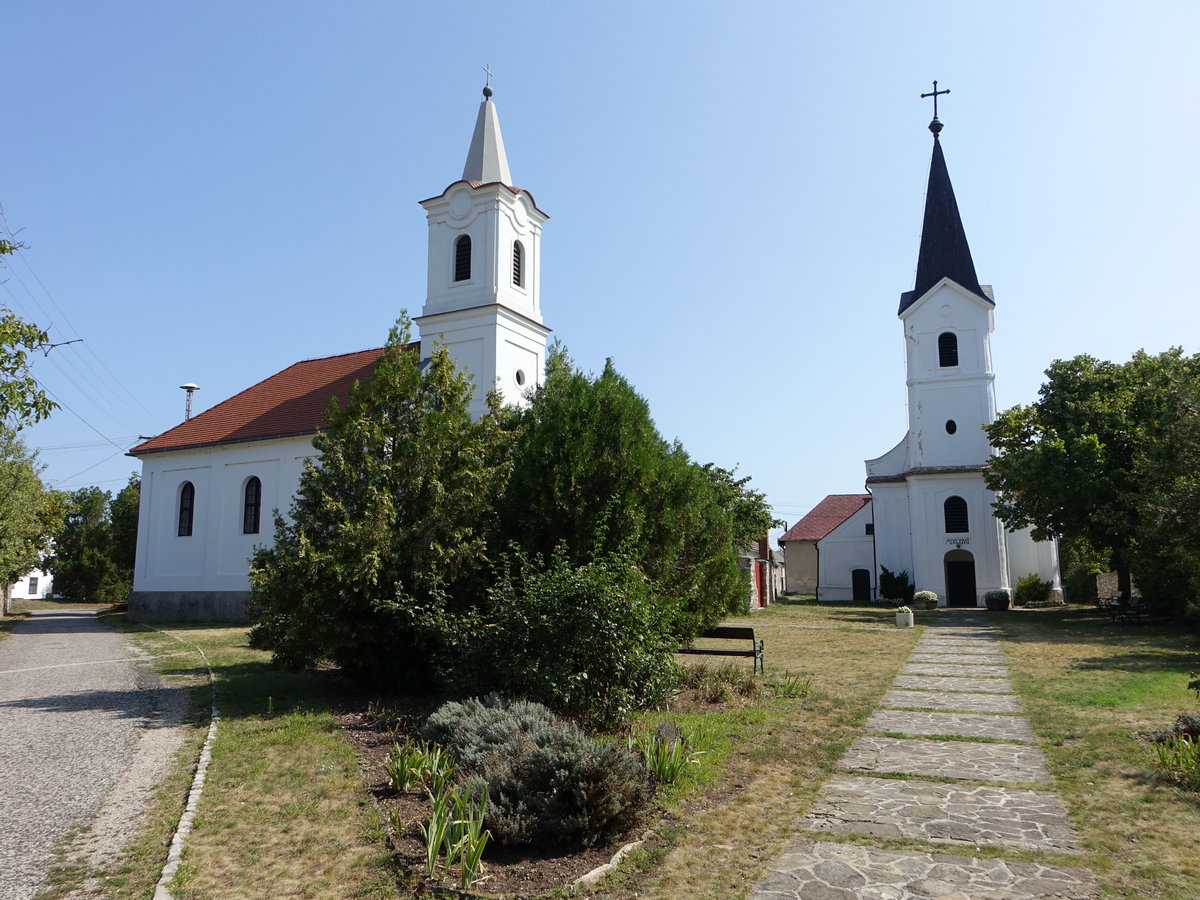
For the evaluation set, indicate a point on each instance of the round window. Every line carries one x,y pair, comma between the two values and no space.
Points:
951,426
520,376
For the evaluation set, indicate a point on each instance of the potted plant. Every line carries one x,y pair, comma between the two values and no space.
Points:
996,600
904,617
925,600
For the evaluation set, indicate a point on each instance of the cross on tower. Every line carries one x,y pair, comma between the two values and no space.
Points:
934,94
488,83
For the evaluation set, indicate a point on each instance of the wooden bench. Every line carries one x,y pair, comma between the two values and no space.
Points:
732,633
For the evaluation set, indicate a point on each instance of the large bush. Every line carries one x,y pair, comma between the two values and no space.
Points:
592,476
548,784
1032,589
384,552
588,640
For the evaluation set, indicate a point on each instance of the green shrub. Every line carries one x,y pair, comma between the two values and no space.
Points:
589,641
667,751
895,585
1032,590
547,783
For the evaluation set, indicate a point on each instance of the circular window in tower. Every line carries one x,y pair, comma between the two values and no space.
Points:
520,376
951,426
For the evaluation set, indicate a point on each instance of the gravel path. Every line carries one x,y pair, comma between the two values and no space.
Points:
81,713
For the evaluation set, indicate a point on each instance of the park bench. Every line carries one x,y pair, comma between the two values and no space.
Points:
732,633
1132,609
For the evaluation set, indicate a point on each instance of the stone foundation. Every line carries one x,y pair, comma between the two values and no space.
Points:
188,606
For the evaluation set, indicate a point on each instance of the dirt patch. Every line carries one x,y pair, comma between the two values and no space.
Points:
372,727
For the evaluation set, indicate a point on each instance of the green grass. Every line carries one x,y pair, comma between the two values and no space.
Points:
1088,686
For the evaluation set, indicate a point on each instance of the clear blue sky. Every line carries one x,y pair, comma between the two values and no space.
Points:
210,192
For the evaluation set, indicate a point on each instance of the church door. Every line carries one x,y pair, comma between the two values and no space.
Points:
860,585
960,578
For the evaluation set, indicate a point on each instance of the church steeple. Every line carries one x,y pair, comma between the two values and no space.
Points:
486,160
483,297
944,250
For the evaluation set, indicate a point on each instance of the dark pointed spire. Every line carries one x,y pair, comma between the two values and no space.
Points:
944,251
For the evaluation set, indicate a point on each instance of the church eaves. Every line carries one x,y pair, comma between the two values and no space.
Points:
944,250
486,160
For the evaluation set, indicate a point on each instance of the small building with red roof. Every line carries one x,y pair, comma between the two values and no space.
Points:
829,552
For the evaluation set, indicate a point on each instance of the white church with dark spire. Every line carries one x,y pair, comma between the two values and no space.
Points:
210,484
929,512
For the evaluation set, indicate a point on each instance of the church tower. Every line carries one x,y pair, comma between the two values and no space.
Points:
932,511
483,299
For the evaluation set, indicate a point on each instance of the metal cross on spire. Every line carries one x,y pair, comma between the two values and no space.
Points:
487,85
935,126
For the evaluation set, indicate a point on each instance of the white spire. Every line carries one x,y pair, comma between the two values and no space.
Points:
486,160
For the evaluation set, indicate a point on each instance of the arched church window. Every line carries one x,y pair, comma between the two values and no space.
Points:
518,264
187,505
956,515
947,349
252,506
462,258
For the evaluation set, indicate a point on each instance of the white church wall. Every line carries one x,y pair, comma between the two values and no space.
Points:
205,575
893,527
1027,556
839,553
984,539
893,462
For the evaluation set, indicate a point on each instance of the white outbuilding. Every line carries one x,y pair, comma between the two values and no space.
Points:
209,484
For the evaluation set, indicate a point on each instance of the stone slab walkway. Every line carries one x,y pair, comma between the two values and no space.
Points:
994,703
977,685
898,721
815,870
889,807
947,759
954,685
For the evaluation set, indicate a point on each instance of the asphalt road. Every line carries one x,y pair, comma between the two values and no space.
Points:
75,696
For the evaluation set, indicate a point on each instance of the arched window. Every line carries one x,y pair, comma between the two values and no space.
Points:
252,506
187,505
947,349
462,258
518,264
956,515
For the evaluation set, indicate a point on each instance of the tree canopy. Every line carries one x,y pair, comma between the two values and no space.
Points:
29,512
22,400
386,537
1103,457
560,551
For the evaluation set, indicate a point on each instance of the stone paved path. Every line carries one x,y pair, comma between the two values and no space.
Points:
968,793
74,701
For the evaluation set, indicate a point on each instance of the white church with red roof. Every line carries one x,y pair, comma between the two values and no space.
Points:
928,511
210,484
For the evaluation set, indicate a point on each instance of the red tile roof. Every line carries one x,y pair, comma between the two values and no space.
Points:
289,403
826,516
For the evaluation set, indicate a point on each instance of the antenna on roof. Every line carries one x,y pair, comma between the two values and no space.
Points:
191,389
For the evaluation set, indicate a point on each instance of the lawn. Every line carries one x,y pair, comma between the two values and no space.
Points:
286,810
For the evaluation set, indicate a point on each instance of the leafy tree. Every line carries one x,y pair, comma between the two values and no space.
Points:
1167,555
22,399
123,514
1098,458
588,641
29,512
592,475
384,549
82,562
